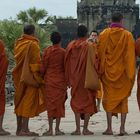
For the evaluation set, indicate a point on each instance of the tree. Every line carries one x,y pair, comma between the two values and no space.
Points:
10,30
37,15
44,23
22,16
32,15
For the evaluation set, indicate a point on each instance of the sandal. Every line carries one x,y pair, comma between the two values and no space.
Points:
4,133
28,134
137,132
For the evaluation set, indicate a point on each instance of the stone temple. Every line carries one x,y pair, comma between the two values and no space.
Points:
96,14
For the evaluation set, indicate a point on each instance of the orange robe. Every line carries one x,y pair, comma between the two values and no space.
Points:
117,68
99,92
137,45
3,72
83,100
53,72
29,97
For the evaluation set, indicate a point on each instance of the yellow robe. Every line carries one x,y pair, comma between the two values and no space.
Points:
117,67
29,98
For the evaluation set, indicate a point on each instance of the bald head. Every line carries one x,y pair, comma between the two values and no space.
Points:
29,29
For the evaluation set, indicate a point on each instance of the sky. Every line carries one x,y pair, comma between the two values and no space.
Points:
9,8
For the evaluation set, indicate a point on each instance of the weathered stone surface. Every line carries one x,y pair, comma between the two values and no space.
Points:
96,14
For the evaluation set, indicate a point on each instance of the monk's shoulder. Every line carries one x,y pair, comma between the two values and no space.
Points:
34,42
1,46
138,40
130,38
34,46
105,31
47,50
62,50
70,44
128,33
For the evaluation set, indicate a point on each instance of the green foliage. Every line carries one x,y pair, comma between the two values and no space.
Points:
46,26
32,15
43,37
23,17
10,30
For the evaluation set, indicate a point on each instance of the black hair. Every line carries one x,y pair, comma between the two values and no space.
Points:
117,17
82,31
29,29
94,32
55,37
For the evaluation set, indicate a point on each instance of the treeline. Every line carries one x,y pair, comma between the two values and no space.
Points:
10,29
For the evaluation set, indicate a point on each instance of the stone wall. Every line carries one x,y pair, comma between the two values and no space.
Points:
9,86
96,14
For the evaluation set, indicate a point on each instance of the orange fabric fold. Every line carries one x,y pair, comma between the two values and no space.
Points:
3,72
29,99
91,77
53,72
117,56
83,100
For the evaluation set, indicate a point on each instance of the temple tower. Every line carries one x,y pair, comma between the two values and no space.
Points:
96,14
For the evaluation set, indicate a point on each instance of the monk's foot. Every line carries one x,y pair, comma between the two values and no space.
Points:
108,132
137,132
17,133
48,133
58,132
77,132
87,132
27,133
123,133
4,133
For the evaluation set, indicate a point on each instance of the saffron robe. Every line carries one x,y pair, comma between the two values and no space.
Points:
117,67
29,99
82,99
99,92
52,70
3,72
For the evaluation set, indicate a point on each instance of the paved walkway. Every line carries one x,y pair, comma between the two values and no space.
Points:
97,124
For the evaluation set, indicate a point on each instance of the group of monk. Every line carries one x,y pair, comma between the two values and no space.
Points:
41,83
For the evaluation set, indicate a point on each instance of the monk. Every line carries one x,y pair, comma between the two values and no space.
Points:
116,52
3,72
29,97
93,38
83,100
53,72
137,45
